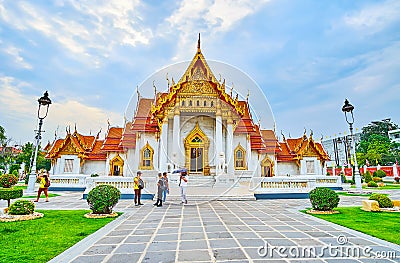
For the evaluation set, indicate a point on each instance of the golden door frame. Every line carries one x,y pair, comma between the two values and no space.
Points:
205,144
267,162
117,161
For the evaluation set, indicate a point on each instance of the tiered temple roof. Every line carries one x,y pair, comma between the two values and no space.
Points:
86,147
150,112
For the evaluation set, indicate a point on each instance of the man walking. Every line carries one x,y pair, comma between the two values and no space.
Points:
138,185
166,186
160,188
183,181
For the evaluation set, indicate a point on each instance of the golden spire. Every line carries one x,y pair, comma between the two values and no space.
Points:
198,44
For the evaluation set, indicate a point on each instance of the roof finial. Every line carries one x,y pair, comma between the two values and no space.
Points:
198,44
283,135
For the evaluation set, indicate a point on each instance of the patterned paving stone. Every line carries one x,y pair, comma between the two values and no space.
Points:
214,232
194,255
118,258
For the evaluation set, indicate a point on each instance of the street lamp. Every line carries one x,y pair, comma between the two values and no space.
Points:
348,108
44,103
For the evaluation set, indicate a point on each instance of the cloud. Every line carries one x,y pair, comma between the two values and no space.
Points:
17,58
207,16
374,18
19,110
89,30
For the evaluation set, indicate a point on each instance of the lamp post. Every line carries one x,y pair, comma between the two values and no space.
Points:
348,110
44,103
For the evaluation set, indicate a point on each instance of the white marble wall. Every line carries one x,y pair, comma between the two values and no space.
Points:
285,168
91,167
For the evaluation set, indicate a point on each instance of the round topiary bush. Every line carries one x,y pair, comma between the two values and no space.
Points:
372,184
324,199
383,200
10,193
379,173
22,207
8,180
103,198
367,177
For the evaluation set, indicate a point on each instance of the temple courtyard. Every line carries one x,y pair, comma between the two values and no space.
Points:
222,231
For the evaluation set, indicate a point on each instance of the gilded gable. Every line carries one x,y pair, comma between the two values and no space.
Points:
310,151
68,149
198,87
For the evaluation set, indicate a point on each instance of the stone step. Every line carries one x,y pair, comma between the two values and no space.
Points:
190,198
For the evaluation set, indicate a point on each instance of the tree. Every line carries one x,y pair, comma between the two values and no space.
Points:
5,154
378,127
375,145
26,158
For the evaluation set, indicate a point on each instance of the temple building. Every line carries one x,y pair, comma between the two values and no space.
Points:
195,125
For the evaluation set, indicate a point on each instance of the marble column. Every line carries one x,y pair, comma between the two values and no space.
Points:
176,136
137,152
164,146
229,147
218,137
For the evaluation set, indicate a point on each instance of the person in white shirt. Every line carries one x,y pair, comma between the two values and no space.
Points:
183,181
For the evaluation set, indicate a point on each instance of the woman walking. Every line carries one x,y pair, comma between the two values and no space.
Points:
44,186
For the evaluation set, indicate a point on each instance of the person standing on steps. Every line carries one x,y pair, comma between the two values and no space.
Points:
138,185
166,186
183,181
44,186
160,189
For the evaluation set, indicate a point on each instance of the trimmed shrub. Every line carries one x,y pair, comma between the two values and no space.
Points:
103,198
377,179
367,177
397,179
372,184
324,199
8,180
383,200
10,193
94,175
22,207
379,173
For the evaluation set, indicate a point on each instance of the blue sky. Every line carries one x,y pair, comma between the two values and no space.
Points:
307,57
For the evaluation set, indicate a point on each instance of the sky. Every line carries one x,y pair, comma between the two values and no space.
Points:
306,57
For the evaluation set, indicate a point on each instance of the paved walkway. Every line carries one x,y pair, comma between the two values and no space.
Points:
221,231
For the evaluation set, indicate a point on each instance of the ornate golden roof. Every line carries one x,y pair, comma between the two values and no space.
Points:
198,79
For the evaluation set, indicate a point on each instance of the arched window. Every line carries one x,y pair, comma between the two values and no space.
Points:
198,103
240,158
183,103
212,104
205,103
146,157
190,103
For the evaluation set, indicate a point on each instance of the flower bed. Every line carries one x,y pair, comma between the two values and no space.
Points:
12,218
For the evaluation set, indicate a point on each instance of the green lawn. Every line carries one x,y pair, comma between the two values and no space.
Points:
388,186
383,225
349,194
42,239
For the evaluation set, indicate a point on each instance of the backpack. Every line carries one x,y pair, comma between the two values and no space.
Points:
141,184
163,185
47,184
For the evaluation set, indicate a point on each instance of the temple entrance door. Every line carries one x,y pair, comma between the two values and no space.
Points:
267,167
196,159
196,151
116,166
116,170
